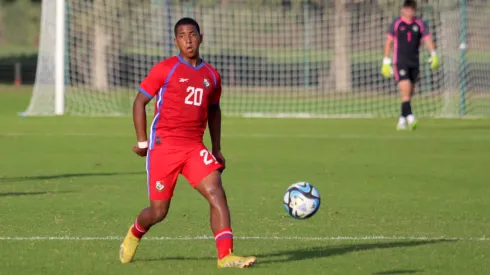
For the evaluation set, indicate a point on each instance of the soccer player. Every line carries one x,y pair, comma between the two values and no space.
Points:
187,92
407,32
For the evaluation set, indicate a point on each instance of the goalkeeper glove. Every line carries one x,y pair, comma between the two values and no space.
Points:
387,69
434,61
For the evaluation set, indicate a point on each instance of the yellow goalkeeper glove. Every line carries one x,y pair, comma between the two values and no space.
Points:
434,61
387,69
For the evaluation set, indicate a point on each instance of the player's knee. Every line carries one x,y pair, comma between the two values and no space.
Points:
216,196
211,188
214,193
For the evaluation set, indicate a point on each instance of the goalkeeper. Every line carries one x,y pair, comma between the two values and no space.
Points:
407,32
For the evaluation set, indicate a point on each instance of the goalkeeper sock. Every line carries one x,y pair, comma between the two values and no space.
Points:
406,108
224,242
137,230
402,121
409,108
410,119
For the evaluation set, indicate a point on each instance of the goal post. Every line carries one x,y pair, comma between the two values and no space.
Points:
304,59
48,96
59,59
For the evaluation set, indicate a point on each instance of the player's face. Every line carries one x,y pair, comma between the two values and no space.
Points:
408,12
188,40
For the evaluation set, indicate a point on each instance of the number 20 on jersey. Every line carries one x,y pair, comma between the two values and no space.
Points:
194,96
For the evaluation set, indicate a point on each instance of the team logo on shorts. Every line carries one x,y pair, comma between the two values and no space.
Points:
206,83
415,28
402,72
159,186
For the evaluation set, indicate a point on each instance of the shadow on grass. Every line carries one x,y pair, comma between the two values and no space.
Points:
21,194
329,251
65,176
398,271
317,252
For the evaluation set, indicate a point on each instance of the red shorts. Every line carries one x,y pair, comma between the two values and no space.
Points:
165,163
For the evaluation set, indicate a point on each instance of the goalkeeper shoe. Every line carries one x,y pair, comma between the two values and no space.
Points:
402,124
401,127
128,247
231,260
413,125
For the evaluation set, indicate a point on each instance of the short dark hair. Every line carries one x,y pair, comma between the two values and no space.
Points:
186,21
410,4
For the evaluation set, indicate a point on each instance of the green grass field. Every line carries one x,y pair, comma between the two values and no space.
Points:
392,203
293,101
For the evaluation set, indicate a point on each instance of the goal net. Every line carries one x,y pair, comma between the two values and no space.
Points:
277,58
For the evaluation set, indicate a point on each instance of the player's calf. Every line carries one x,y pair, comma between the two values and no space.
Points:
154,214
210,187
147,218
150,216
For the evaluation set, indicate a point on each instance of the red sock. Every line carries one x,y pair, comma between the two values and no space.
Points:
224,242
137,230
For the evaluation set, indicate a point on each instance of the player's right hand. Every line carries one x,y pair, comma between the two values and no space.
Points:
387,69
140,151
219,157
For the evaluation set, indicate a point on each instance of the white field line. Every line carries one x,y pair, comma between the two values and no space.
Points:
263,136
268,238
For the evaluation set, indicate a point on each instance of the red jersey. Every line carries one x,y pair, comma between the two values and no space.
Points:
183,95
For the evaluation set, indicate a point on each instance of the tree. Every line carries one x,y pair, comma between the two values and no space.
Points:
1,26
341,63
101,40
96,39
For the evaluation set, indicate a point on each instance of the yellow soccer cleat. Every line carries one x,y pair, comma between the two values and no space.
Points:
231,260
128,247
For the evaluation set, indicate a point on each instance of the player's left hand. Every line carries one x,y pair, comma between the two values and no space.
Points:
434,61
140,151
219,157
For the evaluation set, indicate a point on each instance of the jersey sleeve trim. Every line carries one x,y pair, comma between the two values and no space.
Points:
424,28
421,25
215,79
214,76
159,106
391,32
145,93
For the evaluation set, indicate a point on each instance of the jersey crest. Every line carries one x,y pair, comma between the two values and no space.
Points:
206,83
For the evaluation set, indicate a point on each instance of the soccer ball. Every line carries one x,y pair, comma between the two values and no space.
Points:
301,200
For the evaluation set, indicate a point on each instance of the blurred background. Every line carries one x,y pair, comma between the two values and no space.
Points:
286,56
20,23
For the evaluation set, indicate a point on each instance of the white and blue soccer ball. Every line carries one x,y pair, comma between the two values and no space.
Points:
302,200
